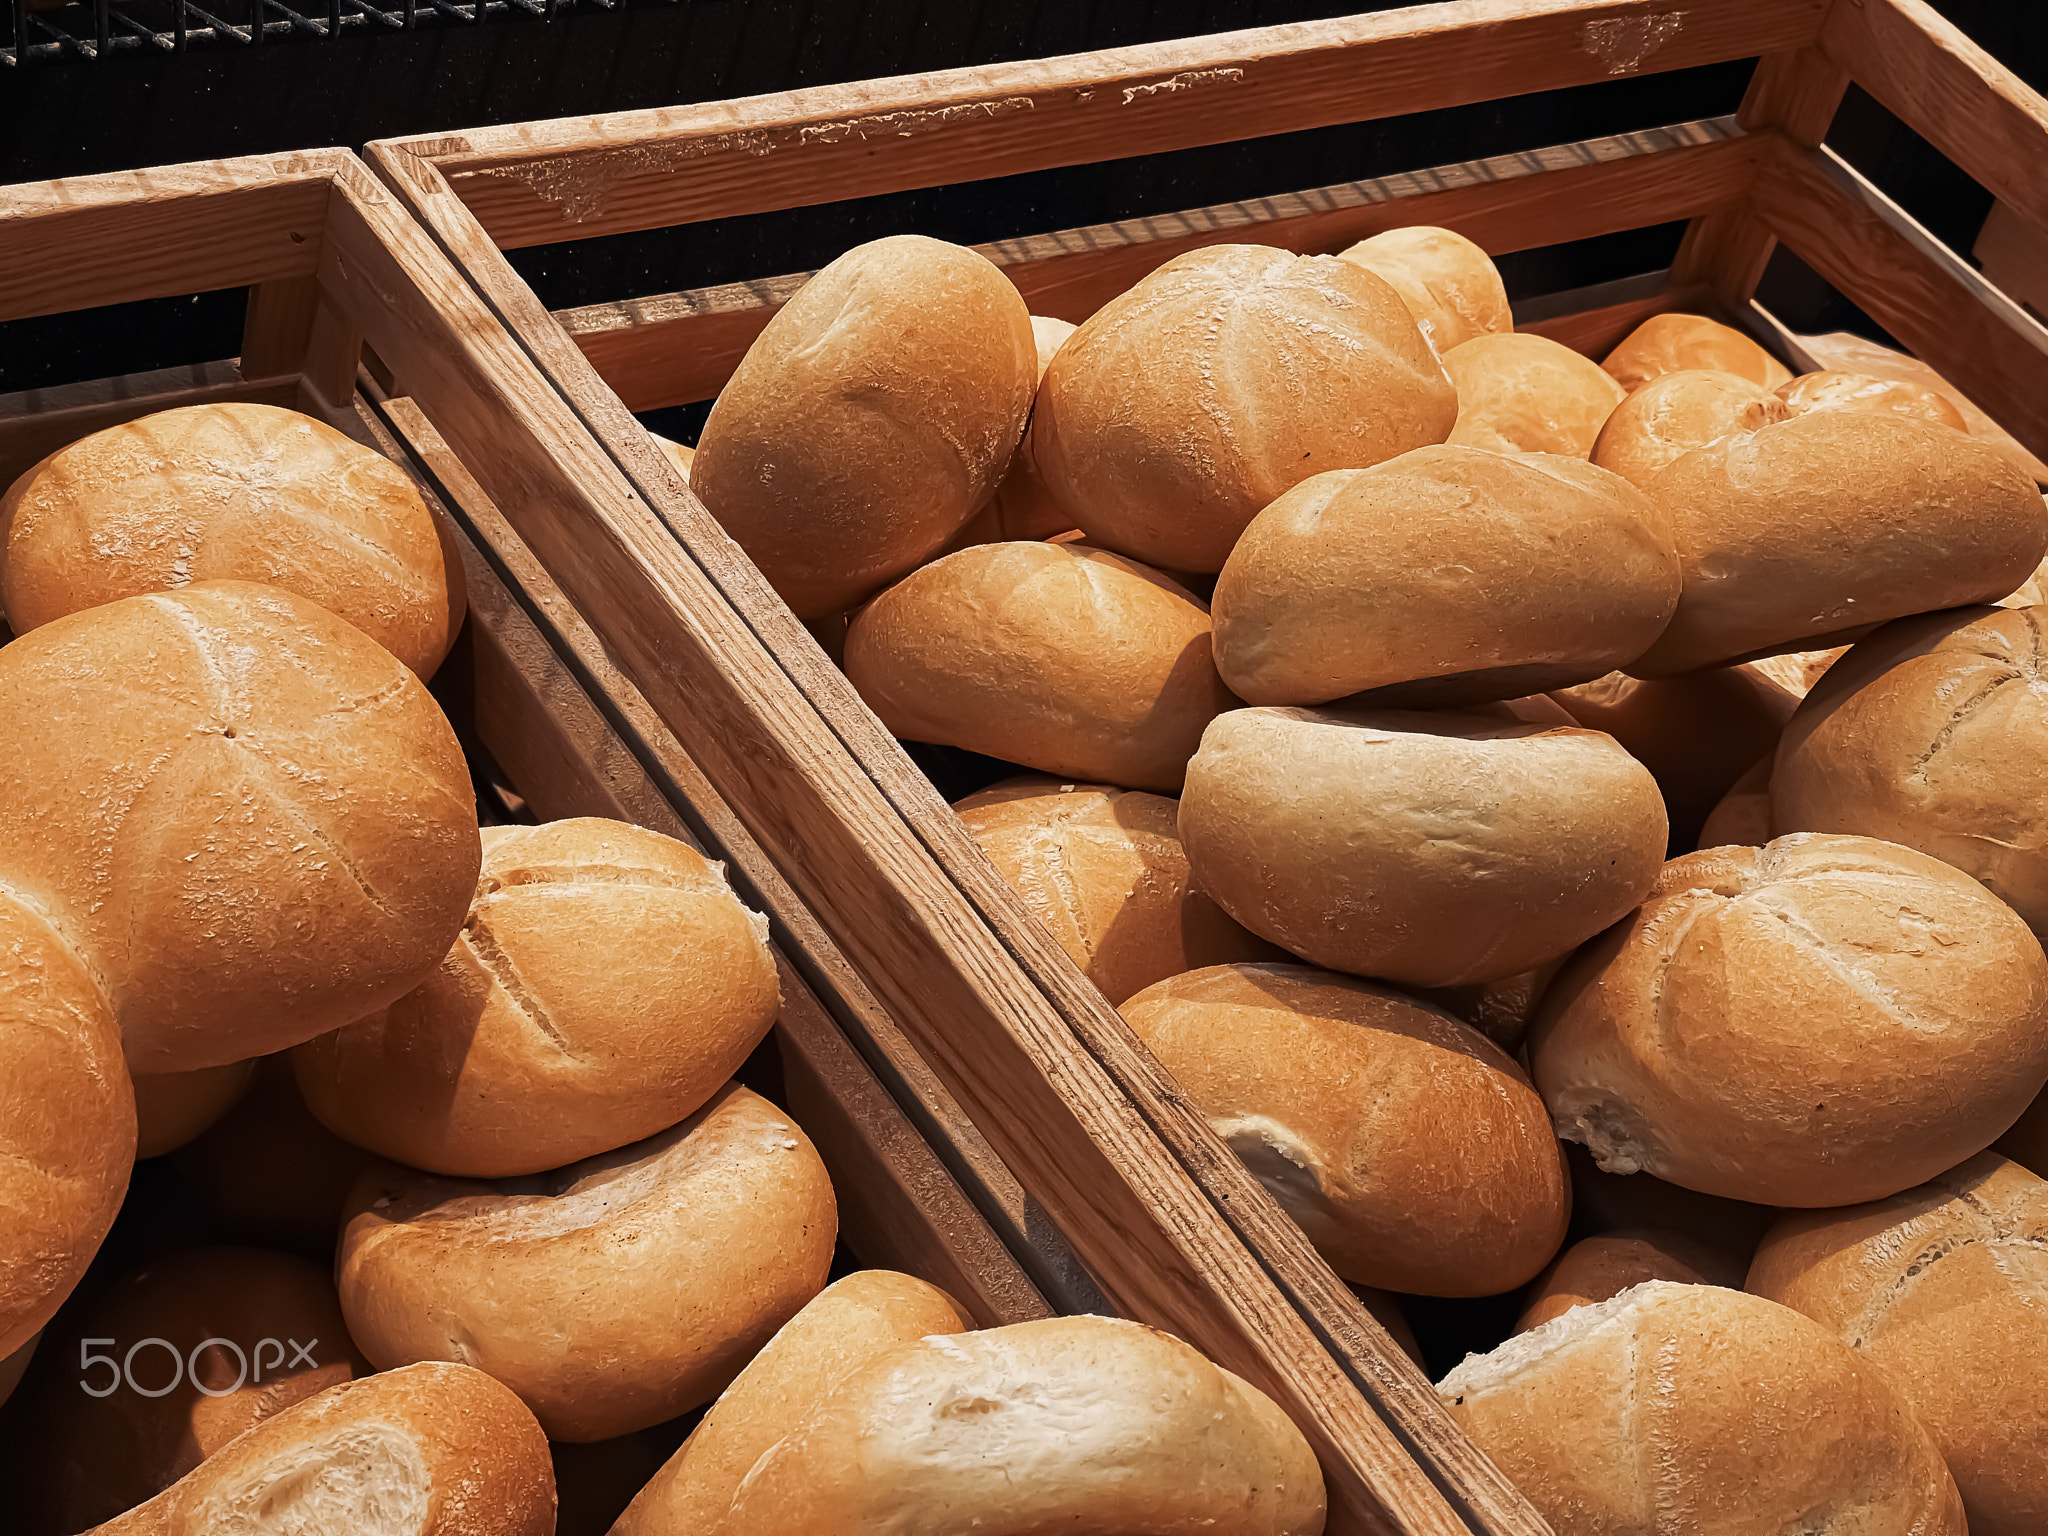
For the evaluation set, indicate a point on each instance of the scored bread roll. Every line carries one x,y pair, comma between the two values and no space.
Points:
1330,833
1942,1287
1449,285
606,982
1104,871
1067,659
1674,413
613,1294
1529,394
1022,507
1562,572
1085,1424
250,822
1669,342
1833,390
1819,1021
1414,1153
869,420
1223,378
1693,1408
839,1330
1599,1268
171,1108
1818,529
1743,814
2027,1142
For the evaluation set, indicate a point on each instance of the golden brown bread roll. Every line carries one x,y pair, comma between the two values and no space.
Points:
1697,1409
1529,394
606,982
231,491
1743,815
869,420
1088,1425
1669,342
1834,390
2030,593
1330,833
171,1108
1060,657
1414,1153
1675,413
1816,1022
1022,507
1819,528
1226,376
1449,284
1943,1288
612,1294
1561,572
1500,1010
1598,1268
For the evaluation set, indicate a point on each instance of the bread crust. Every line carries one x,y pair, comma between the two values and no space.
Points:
1601,1267
1520,393
1667,417
1448,283
1669,342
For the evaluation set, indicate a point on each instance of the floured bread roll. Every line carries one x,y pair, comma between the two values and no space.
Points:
1668,342
1675,413
1596,1269
1449,284
1528,394
1834,390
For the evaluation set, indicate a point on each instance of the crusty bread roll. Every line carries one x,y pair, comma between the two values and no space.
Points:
2031,593
1331,833
1598,1268
1022,507
1060,657
1449,284
1945,1287
1819,528
1529,394
238,492
1697,1409
605,984
1561,572
1500,1010
1414,1153
1675,413
1743,814
613,1294
432,1450
869,420
1669,342
250,823
173,1107
1104,870
1225,377
1819,1021
841,1329
1088,1425
678,454
1795,671
1833,390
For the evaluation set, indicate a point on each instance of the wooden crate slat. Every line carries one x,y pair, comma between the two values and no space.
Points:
1595,319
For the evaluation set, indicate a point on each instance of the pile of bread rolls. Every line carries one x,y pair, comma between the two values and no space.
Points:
1443,746
445,1171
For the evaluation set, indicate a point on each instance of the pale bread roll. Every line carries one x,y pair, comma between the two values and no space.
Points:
1697,1409
232,491
1816,1022
1414,1153
1063,658
1599,1268
1330,832
869,420
678,454
1743,814
1022,507
1834,390
2030,593
1675,413
1086,1425
431,1450
1669,342
606,982
839,1330
1222,379
2027,1142
171,1108
612,1294
1450,285
1529,394
1817,529
249,822
1104,871
1945,1288
1447,576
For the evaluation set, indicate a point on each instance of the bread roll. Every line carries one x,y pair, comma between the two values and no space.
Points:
678,454
1603,1202
1333,833
613,1294
173,1107
605,984
1596,1269
239,492
1692,1408
1669,342
1795,671
1449,284
1943,1288
1414,1153
1817,529
1088,1425
870,419
842,1328
1743,815
250,823
2030,593
1225,377
2027,1142
432,1450
1675,413
1933,732
1500,1010
1022,507
1561,572
1819,1021
1528,394
1834,390
1060,657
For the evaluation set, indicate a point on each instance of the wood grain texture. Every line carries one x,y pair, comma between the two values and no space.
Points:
1594,320
2014,254
277,325
541,182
